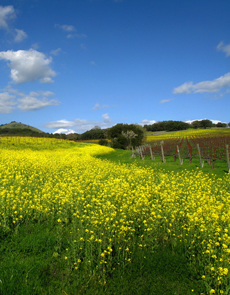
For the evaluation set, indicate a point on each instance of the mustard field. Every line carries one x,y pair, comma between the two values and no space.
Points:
110,211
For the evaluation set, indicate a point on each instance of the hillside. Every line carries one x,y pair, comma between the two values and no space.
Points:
16,125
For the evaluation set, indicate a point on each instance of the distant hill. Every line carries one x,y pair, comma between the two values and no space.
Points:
15,125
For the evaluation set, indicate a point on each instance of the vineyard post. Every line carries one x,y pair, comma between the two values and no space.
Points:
142,153
151,152
162,152
175,155
228,158
178,151
201,163
133,153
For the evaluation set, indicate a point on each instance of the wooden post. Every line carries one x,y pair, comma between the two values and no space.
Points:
133,153
178,151
162,152
201,163
151,152
142,153
227,153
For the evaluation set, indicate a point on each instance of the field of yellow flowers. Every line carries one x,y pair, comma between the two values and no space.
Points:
108,212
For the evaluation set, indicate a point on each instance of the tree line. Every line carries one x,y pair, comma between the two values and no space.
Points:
180,125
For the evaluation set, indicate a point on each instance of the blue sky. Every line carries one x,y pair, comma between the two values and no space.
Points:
72,65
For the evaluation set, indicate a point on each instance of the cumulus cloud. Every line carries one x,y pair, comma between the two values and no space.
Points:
31,103
7,102
60,124
28,65
205,86
6,13
79,125
147,122
11,99
21,35
64,131
166,100
224,48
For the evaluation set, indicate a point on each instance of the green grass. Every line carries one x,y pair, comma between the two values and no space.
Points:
124,156
29,266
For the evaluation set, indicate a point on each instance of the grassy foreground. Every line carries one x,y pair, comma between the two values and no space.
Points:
124,157
74,223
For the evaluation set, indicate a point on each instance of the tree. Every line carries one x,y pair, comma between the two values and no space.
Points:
220,124
72,136
92,134
96,127
205,123
122,138
103,142
129,135
196,124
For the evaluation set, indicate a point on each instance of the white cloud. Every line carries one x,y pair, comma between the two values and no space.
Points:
71,30
60,124
7,103
106,118
93,63
30,103
84,125
11,99
55,51
35,46
166,100
70,36
46,80
6,13
21,35
79,125
147,122
184,88
99,107
224,48
64,131
66,28
28,65
205,86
